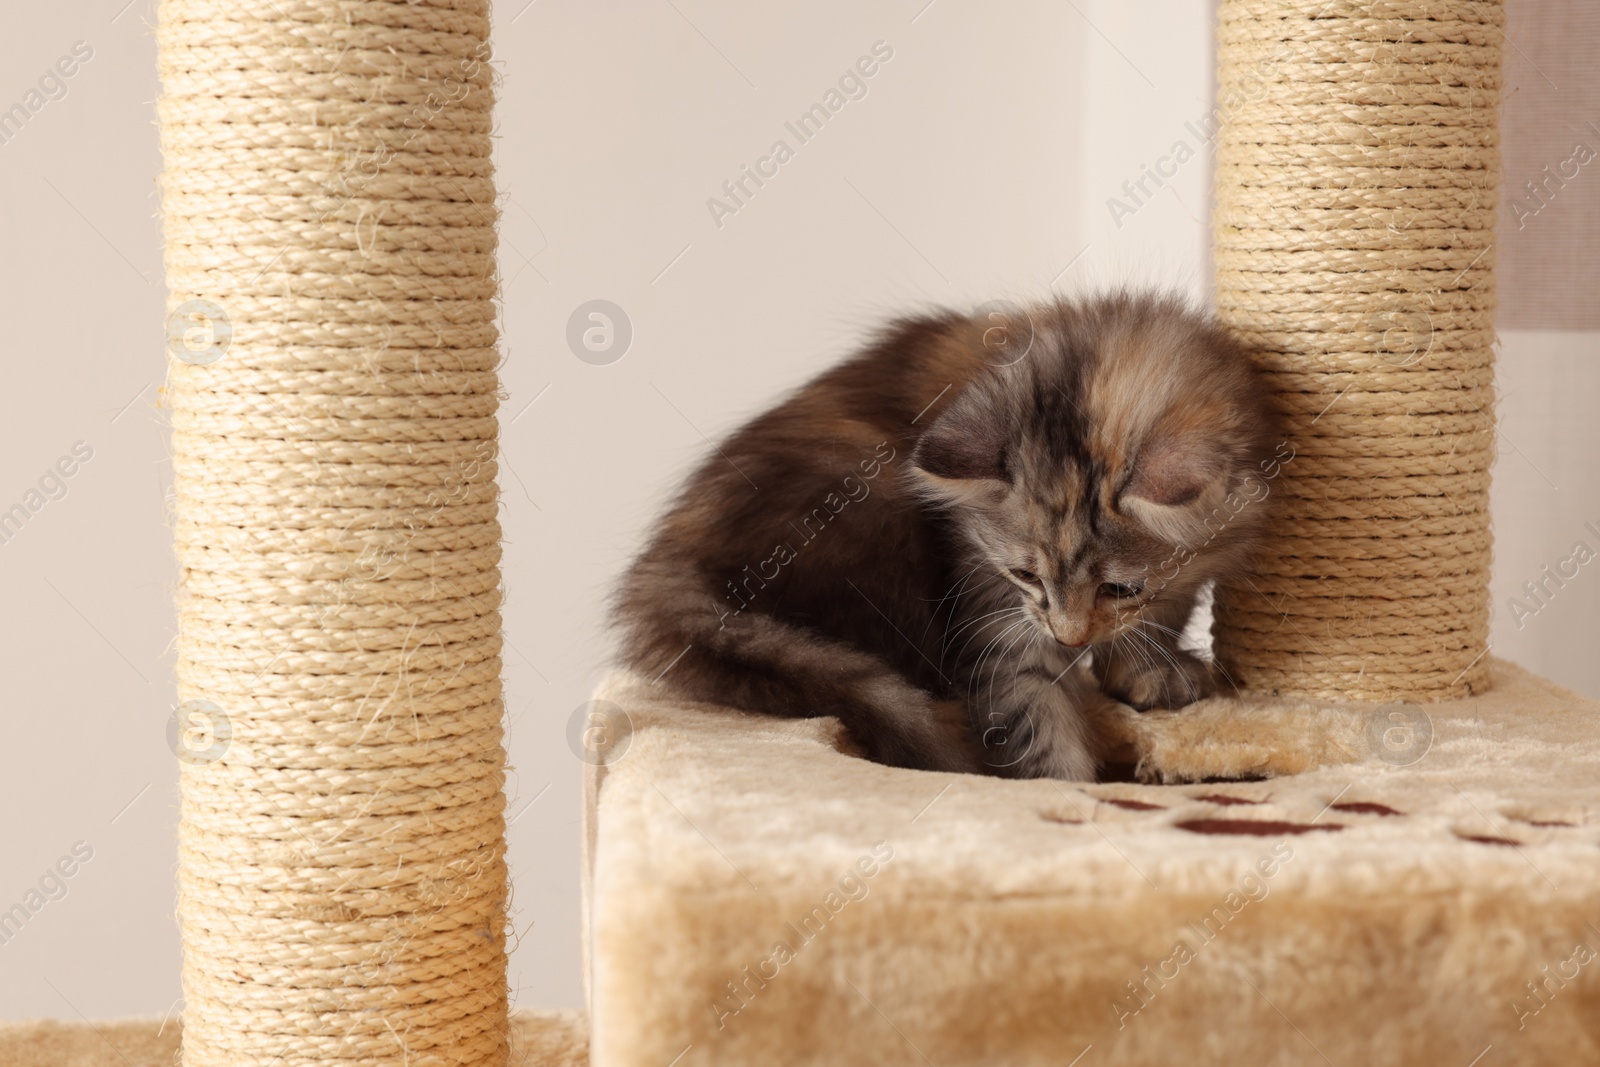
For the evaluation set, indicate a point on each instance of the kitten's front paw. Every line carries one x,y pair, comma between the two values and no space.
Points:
1155,683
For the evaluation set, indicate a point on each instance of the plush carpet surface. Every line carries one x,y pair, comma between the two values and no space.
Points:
1274,883
538,1039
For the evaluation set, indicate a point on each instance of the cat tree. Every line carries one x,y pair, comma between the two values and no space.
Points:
1301,874
1357,172
1371,884
329,210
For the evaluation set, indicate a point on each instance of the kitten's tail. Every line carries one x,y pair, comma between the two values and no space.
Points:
677,632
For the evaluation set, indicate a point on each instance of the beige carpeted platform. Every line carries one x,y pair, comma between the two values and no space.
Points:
538,1039
1384,897
1356,888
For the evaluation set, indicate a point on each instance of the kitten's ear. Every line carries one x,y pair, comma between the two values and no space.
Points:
961,458
1177,483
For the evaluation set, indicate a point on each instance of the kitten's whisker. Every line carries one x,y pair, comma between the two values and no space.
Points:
1161,627
952,596
1016,671
1019,610
1003,656
987,649
1145,653
1220,669
1142,635
1158,647
974,678
962,658
1025,633
1127,650
953,586
1139,653
962,582
1177,636
980,618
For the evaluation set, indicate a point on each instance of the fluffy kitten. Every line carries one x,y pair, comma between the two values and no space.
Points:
935,531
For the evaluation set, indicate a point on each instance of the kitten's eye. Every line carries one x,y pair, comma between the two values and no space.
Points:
1026,576
1120,591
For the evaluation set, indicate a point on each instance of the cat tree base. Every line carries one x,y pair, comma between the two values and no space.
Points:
536,1039
1371,896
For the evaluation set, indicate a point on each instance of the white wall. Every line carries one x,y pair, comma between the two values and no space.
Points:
1545,501
87,583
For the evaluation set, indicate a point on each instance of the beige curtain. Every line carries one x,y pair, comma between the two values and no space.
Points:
1550,222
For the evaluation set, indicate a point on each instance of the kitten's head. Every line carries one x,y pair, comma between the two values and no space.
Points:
1123,461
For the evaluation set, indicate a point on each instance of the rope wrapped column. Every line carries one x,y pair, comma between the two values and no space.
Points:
329,212
1357,174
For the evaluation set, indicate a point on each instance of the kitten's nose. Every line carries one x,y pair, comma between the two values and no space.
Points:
1077,640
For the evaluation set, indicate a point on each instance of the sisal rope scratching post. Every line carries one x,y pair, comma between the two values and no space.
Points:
329,215
1357,171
